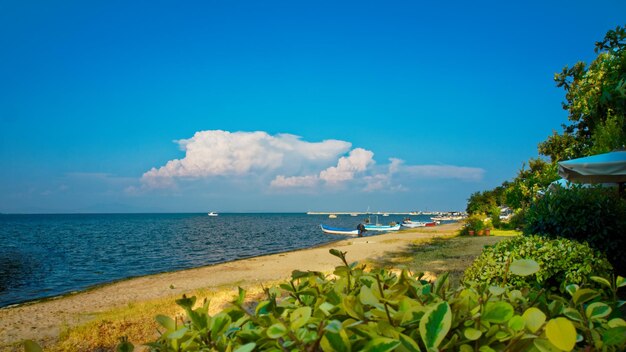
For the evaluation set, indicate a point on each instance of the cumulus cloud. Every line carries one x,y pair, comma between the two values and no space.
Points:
358,161
223,153
291,163
347,167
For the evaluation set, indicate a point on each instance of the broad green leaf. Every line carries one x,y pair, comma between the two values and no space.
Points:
440,282
466,348
249,347
597,310
583,295
326,307
299,317
485,348
219,324
534,319
352,307
601,281
276,331
178,333
497,312
412,315
572,314
472,334
614,336
166,322
435,324
333,326
32,346
337,253
615,322
620,281
381,344
496,290
561,333
332,342
544,345
408,343
524,267
571,289
367,297
517,323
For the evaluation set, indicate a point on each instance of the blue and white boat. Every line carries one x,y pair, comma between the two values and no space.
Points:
338,230
378,227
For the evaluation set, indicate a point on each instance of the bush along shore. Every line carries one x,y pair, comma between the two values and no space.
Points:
357,309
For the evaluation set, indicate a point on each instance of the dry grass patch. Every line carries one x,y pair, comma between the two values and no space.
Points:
451,253
137,321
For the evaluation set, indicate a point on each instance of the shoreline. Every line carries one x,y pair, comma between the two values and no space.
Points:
44,319
104,284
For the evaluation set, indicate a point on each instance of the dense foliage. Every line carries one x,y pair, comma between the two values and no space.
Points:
595,101
561,261
360,310
594,215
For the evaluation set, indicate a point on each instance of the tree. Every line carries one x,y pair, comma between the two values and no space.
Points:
528,183
595,101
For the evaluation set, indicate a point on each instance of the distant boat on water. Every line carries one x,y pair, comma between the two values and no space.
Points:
332,216
212,213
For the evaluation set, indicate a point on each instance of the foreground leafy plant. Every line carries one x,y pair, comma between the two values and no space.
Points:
356,310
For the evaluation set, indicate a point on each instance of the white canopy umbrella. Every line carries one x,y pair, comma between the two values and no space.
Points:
601,168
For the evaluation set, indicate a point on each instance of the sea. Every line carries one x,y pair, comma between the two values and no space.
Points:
44,256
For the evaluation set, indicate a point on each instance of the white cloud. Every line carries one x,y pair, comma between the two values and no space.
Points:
291,163
347,167
358,161
223,153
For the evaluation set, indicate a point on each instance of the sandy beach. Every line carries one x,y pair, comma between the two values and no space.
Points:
45,319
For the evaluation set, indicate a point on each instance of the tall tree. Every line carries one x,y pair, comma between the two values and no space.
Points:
595,101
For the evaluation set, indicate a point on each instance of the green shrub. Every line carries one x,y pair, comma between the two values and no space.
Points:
360,310
596,216
475,222
561,260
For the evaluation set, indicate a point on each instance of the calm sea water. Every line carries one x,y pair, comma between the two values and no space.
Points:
49,255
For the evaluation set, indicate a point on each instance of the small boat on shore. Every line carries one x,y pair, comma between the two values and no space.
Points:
338,230
378,227
212,214
414,224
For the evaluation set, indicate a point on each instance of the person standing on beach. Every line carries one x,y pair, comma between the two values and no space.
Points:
361,229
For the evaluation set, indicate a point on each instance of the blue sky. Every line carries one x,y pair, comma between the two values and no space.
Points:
112,106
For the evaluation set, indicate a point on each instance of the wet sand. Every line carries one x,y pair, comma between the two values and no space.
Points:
43,320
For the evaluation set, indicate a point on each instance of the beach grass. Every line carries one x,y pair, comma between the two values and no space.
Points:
449,253
137,321
445,253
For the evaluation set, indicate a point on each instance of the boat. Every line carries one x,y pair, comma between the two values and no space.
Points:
332,216
379,227
212,214
413,224
338,230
